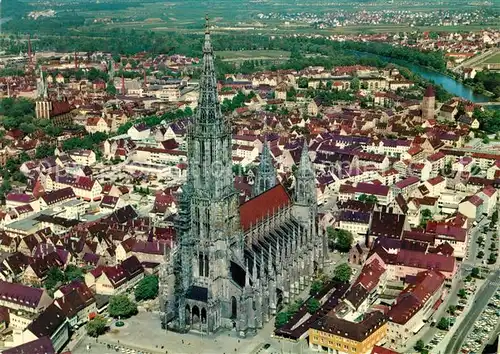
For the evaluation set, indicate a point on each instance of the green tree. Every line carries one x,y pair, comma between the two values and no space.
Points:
427,214
316,286
110,88
480,254
96,326
452,309
281,319
73,272
462,294
44,150
419,346
342,273
344,240
494,217
54,277
313,305
121,306
355,84
443,324
291,94
368,198
302,82
147,288
492,258
475,272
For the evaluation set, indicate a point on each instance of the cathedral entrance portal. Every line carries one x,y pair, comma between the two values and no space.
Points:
195,317
234,308
188,315
203,315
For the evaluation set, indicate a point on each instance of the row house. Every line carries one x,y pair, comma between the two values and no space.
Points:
83,157
492,172
57,197
388,177
117,279
151,155
335,334
401,262
383,193
389,147
77,302
485,160
84,188
18,297
407,186
119,148
435,186
438,162
356,222
37,271
97,125
51,323
413,307
455,236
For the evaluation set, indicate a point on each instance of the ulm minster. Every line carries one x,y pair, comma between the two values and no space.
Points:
236,263
288,176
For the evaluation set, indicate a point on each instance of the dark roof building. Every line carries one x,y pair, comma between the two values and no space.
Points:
41,345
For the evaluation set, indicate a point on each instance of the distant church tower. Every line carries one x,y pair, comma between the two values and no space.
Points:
43,105
266,173
428,103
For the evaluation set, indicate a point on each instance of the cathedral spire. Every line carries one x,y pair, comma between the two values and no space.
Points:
208,103
266,174
42,86
305,167
305,186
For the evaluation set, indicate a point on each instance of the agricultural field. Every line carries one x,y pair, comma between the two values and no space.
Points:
242,55
494,59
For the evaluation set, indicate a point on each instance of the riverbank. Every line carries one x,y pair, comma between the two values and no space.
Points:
431,75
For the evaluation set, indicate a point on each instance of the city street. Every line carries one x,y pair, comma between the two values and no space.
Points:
428,332
482,298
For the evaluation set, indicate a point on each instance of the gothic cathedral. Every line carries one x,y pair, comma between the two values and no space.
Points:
234,265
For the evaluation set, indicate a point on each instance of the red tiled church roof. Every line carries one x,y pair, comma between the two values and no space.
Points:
259,207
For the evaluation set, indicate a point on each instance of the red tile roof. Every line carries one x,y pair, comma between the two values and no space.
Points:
259,207
370,275
422,260
436,180
20,294
449,231
415,296
60,107
381,350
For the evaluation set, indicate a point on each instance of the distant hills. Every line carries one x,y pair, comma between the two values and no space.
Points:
13,8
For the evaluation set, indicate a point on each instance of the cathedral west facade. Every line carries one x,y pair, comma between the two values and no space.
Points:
235,264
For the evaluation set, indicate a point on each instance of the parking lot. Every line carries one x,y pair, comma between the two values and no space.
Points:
483,327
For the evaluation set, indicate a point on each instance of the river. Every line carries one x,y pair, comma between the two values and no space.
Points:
450,84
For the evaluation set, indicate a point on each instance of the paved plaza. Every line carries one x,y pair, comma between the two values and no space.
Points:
143,333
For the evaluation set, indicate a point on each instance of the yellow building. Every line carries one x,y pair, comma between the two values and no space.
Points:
336,335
